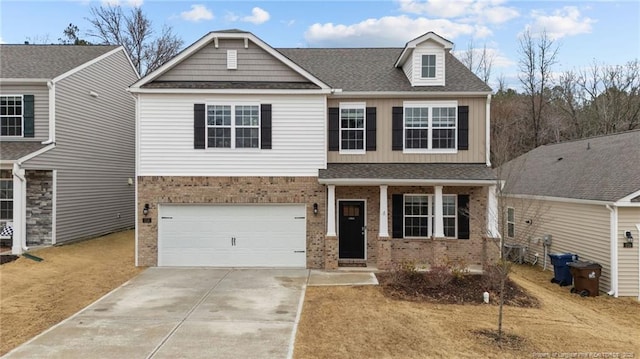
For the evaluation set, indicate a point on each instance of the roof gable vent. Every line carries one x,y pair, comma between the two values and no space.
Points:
232,59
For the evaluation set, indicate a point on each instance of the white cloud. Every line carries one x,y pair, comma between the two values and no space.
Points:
498,59
197,13
288,23
388,31
258,16
131,3
562,22
231,17
1,40
471,11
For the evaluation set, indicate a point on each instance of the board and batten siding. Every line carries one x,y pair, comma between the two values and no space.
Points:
628,260
210,64
40,107
166,143
384,153
582,229
95,150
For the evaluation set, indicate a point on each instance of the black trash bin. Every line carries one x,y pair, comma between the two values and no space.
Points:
586,278
561,272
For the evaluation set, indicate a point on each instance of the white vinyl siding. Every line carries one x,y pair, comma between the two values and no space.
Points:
425,49
40,109
166,139
628,258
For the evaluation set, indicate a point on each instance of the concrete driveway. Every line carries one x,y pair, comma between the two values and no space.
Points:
183,313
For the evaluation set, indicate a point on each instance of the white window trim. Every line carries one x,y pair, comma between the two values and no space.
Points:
430,214
430,105
21,116
353,105
435,66
513,222
8,179
233,126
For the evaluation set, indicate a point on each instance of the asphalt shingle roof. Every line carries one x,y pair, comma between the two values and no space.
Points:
605,168
14,150
45,61
372,69
231,85
408,171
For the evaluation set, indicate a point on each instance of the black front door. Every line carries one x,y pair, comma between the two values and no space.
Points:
351,236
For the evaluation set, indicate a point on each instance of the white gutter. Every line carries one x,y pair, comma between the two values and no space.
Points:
613,219
410,94
231,91
14,81
562,199
52,113
135,176
403,182
487,129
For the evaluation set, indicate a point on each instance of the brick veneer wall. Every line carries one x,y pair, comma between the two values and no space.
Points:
39,207
156,190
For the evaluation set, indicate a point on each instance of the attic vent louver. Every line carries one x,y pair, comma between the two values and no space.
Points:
232,59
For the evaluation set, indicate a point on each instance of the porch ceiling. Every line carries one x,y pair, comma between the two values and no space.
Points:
13,151
407,174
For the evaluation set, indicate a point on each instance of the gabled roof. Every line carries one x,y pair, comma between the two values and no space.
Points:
605,168
227,34
372,69
45,61
11,151
408,48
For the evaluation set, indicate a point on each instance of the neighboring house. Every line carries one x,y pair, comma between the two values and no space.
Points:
253,156
66,142
588,194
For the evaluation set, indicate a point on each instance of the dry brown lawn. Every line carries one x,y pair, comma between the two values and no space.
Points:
36,295
360,322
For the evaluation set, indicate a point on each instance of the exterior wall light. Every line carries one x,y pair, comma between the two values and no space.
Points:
628,236
145,210
315,208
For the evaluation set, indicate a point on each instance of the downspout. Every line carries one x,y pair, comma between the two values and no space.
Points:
52,113
19,244
487,129
638,227
613,219
135,175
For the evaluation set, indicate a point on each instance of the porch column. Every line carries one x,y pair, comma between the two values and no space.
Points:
383,229
331,211
438,225
492,213
19,206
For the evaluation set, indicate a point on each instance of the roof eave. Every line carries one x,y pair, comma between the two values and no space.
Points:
405,182
138,90
408,94
20,81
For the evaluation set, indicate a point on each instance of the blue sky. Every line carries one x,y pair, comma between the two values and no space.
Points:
604,31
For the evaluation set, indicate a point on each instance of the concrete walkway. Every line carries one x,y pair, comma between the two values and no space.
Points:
190,313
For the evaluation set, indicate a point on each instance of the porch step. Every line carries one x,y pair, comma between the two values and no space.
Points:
352,263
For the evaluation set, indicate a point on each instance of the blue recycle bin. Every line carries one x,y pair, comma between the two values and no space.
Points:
561,271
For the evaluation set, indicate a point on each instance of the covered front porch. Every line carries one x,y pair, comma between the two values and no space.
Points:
379,215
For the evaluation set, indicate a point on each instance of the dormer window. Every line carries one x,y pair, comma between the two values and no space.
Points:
428,66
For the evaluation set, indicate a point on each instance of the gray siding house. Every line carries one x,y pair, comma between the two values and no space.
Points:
66,143
586,195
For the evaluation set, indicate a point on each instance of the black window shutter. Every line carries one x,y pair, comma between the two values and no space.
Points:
396,129
463,216
199,126
463,127
334,129
28,116
265,126
397,216
371,128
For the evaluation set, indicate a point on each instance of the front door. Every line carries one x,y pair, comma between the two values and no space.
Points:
351,236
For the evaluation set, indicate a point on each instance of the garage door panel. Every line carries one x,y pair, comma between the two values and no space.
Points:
232,235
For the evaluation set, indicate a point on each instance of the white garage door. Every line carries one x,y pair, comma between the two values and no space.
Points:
232,235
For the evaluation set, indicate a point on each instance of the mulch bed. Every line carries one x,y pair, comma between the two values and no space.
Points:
6,258
467,289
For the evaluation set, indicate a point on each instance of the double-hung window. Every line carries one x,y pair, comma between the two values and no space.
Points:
428,66
6,196
11,115
511,222
419,215
352,127
430,126
233,126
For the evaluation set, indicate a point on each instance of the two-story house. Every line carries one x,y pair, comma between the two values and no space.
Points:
67,137
253,156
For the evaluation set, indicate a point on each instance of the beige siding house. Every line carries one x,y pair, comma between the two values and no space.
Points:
585,194
67,150
253,156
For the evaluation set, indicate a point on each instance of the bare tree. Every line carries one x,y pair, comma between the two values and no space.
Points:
479,61
537,56
135,32
71,36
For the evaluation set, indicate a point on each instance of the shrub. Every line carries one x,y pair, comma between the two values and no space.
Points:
439,276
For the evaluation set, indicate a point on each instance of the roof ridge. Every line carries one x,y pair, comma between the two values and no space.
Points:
590,138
